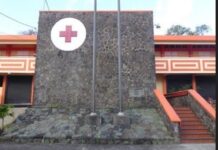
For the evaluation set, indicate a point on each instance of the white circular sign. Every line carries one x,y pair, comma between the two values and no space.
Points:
68,34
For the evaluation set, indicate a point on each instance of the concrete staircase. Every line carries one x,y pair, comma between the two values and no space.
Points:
192,129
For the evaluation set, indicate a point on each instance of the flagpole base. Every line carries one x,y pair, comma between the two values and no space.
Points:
120,114
93,114
121,120
93,119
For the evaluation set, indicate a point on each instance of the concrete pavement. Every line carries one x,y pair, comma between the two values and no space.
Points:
10,146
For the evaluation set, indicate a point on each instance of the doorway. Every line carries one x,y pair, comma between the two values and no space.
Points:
178,82
206,86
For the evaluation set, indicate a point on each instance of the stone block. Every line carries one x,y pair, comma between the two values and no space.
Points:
93,120
121,120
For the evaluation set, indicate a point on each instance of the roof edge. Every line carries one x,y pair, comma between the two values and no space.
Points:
190,38
91,11
157,38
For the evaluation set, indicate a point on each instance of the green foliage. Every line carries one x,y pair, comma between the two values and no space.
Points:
5,110
178,30
200,30
157,26
29,32
53,105
181,30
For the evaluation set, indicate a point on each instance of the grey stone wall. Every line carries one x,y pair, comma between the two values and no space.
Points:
173,128
180,101
64,78
50,125
202,114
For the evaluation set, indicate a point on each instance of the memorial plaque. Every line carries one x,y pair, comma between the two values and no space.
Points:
136,93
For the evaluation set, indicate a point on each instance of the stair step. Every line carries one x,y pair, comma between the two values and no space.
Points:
191,114
197,141
184,131
194,119
191,125
198,136
190,119
181,108
197,124
184,112
193,128
187,115
196,133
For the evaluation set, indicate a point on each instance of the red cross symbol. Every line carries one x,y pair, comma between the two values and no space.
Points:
68,34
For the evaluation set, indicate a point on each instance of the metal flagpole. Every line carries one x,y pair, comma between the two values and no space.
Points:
119,62
93,113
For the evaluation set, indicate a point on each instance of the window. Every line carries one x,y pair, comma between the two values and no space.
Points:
3,53
1,84
182,53
170,53
203,54
212,54
157,53
176,53
18,90
206,86
1,81
22,53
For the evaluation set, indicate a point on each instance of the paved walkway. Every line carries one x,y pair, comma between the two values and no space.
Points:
106,147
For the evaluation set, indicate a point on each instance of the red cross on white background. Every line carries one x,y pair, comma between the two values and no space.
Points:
68,34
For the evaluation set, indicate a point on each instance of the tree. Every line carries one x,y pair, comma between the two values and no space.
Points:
5,110
200,30
157,26
181,30
178,30
29,32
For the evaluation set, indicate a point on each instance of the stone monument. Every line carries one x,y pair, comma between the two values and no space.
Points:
64,78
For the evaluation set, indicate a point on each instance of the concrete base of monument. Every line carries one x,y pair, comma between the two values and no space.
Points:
137,126
121,121
93,119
